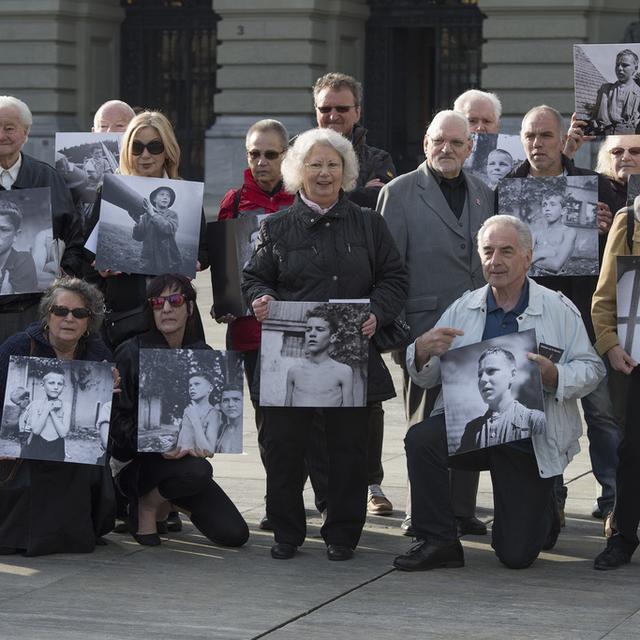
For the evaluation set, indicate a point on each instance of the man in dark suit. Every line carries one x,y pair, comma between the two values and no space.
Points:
434,214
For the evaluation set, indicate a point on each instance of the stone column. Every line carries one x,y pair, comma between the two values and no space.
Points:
62,59
270,54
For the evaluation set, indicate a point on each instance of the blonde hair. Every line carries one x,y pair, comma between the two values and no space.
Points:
160,123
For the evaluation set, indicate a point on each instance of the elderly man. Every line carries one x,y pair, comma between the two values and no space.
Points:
526,519
543,139
434,214
112,116
20,171
481,109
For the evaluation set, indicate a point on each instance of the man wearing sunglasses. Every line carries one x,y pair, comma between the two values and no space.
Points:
21,171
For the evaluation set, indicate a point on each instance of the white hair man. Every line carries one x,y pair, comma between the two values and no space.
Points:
481,109
112,116
526,518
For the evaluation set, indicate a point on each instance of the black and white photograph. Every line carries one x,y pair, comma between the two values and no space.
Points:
57,410
149,225
492,393
562,216
231,245
190,399
607,87
313,354
628,301
83,159
29,254
493,156
633,190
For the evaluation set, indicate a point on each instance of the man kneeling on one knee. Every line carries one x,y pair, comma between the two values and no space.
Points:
525,512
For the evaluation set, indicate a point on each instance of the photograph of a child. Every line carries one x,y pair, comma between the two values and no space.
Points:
607,87
83,159
29,259
201,412
561,214
492,393
628,304
313,354
493,156
149,225
55,410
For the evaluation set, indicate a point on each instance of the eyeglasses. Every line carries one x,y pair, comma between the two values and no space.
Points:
343,108
270,154
317,167
618,151
155,147
80,313
175,300
456,144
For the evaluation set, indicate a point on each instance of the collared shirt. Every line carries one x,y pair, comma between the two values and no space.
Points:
10,175
454,191
314,206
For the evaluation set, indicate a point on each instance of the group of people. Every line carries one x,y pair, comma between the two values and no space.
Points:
339,224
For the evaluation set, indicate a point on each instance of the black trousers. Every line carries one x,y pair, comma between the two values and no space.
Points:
188,483
523,501
286,437
627,506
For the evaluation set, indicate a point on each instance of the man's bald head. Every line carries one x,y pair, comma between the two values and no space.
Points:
112,116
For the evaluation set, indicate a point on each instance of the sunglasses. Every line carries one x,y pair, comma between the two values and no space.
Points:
80,313
175,300
155,147
618,151
269,155
340,109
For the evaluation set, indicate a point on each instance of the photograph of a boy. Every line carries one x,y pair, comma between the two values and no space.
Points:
230,435
200,423
17,268
499,164
553,244
618,103
319,380
156,230
47,420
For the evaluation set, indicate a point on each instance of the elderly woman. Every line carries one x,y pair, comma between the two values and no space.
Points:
52,507
618,158
626,515
152,482
317,250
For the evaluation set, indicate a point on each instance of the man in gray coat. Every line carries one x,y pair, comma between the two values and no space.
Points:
434,214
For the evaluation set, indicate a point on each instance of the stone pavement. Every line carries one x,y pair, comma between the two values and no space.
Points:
188,588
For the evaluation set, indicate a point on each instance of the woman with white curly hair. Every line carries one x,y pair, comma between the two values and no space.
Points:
321,248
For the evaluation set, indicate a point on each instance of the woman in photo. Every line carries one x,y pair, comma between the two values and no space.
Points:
317,250
155,482
55,507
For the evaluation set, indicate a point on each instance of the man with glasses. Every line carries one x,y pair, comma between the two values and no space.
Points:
21,171
434,213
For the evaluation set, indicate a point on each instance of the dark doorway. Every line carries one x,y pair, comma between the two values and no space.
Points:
168,62
420,54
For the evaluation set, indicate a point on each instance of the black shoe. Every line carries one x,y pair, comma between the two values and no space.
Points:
612,557
161,526
423,557
121,527
406,528
147,539
283,551
265,525
339,552
471,526
556,525
174,524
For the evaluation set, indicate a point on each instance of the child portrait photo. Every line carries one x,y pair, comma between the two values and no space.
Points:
493,156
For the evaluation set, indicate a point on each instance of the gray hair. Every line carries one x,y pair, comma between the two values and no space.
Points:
23,110
524,234
293,163
268,124
336,81
91,296
544,107
448,114
472,95
126,108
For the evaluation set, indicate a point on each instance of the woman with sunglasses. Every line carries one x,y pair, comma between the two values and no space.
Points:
153,482
46,506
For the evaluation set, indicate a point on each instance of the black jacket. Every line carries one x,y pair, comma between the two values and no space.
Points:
303,256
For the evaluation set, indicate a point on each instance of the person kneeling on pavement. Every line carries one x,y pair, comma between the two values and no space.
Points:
526,518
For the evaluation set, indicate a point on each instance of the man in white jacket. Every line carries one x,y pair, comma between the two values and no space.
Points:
525,512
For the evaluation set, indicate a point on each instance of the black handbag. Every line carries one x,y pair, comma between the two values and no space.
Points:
396,335
122,325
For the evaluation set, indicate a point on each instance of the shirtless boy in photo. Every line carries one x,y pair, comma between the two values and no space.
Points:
554,245
319,381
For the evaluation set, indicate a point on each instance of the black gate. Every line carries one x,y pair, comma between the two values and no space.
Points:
168,62
420,55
